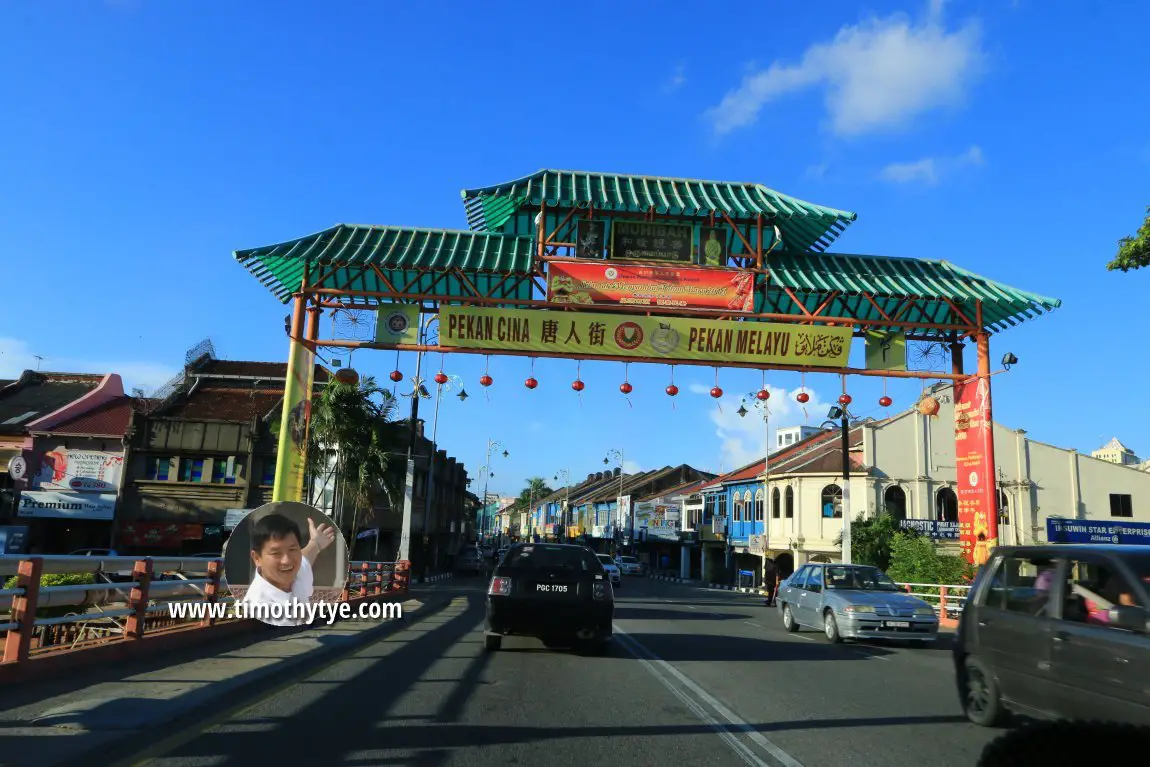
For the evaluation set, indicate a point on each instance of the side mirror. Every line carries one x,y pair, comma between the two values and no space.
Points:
1130,618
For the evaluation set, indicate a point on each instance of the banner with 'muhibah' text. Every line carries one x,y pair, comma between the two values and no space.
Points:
669,338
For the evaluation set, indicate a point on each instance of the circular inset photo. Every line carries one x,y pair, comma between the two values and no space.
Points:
280,559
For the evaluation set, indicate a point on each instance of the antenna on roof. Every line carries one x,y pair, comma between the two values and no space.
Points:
38,359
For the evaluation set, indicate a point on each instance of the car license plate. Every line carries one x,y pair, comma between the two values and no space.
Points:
896,624
551,588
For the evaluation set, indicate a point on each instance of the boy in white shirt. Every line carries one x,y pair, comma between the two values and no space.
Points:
284,566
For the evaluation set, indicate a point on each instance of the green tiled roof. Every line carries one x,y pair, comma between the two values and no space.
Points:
402,255
805,226
889,281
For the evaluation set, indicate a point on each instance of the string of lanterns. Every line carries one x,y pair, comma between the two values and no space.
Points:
927,404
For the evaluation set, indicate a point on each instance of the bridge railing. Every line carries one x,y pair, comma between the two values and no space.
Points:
948,599
127,598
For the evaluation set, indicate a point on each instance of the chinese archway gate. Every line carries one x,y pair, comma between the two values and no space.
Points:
645,269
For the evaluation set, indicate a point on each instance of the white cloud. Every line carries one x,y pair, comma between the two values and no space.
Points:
16,357
876,75
929,170
745,439
817,172
631,467
677,79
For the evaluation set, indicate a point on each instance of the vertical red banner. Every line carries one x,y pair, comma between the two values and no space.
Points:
974,454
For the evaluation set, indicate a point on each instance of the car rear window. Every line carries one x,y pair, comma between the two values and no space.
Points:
552,558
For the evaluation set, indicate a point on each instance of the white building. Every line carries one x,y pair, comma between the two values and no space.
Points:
907,464
1115,452
790,435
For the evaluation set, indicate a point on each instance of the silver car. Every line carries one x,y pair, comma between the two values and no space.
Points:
854,602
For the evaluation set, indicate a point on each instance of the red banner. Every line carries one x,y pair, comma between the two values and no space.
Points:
606,284
977,486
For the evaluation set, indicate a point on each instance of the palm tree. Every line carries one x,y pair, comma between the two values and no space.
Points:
535,489
351,435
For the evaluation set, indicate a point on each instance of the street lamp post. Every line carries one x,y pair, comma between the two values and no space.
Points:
618,454
761,404
487,474
452,382
418,392
566,474
844,424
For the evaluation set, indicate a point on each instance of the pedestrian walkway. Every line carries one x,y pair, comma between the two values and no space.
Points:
56,721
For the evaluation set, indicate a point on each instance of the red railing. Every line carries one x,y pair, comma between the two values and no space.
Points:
113,610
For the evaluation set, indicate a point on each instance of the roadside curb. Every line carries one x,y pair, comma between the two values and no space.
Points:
699,584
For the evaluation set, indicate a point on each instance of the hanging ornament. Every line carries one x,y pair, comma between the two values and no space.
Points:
530,383
577,385
441,378
672,390
885,401
486,380
803,397
928,406
763,395
716,392
844,399
396,376
626,388
347,376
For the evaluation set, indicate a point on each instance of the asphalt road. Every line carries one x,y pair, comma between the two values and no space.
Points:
695,677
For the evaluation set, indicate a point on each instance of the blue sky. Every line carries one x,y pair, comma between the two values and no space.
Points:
142,142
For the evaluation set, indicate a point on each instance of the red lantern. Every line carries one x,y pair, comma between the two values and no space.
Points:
803,397
763,395
672,390
845,399
396,376
441,378
577,385
530,383
716,392
486,380
626,388
885,401
347,376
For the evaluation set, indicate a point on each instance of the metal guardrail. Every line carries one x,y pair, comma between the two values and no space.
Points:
951,597
131,597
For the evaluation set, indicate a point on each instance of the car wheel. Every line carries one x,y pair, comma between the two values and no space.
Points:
492,642
831,628
789,622
981,700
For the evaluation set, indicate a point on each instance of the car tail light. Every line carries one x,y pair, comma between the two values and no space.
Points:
600,589
500,586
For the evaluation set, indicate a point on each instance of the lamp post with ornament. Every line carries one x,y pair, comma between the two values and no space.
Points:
840,412
761,397
443,383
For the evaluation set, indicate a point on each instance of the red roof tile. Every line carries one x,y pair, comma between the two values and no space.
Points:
252,369
225,404
107,420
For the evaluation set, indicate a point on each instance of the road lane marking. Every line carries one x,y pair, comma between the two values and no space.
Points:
752,623
655,665
691,607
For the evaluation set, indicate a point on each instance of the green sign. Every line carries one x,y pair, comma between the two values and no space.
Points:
885,351
397,324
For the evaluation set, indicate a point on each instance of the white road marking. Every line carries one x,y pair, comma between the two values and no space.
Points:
691,607
752,623
668,675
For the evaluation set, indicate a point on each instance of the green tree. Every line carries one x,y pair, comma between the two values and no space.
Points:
871,539
916,559
535,489
351,436
1133,252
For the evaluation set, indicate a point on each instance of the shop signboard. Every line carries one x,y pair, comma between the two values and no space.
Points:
931,528
974,452
613,336
160,535
605,284
90,471
661,521
13,539
1097,531
650,241
54,504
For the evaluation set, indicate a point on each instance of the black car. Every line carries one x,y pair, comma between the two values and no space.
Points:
1058,632
558,593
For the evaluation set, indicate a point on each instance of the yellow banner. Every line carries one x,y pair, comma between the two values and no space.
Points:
669,338
292,450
